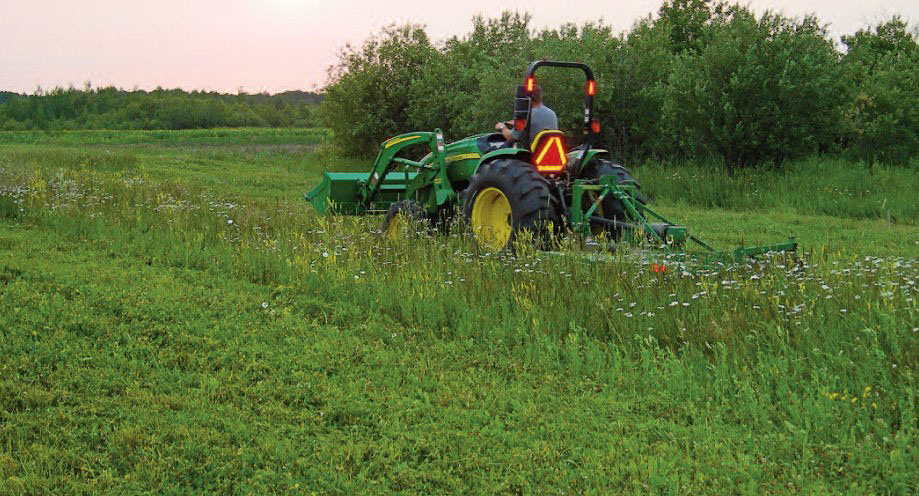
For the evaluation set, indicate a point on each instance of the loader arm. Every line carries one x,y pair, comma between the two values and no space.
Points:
387,159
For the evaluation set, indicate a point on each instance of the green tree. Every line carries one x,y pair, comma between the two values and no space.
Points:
448,92
632,101
760,90
367,98
687,22
882,117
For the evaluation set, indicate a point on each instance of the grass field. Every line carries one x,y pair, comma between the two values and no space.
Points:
175,319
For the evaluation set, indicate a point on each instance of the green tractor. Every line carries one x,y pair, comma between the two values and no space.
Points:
538,184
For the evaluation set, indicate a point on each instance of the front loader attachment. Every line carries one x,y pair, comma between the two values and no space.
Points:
341,192
358,193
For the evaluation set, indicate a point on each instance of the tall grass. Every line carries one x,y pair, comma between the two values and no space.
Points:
273,242
818,185
476,372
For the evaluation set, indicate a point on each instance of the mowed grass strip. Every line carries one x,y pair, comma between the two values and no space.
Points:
163,336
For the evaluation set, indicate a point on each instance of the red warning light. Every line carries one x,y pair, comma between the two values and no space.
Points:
658,268
595,125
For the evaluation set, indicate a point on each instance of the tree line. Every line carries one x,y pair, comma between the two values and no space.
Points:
112,108
697,79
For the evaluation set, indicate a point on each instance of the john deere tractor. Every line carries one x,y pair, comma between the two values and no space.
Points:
538,184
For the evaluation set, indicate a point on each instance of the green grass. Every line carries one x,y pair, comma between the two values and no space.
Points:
148,344
825,186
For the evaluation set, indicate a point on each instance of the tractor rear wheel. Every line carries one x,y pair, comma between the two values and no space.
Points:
611,207
504,198
401,218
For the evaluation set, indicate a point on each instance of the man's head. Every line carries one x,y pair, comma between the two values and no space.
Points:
537,94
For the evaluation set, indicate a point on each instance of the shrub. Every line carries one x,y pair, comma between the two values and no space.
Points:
112,108
468,84
760,90
367,98
882,117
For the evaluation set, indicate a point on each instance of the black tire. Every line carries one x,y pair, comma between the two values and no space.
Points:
533,208
612,208
411,210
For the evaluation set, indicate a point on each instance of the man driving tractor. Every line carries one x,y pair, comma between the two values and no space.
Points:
541,118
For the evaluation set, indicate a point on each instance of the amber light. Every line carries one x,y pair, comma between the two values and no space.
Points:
591,87
530,84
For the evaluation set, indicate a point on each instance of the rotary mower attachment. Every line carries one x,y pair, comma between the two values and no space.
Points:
665,234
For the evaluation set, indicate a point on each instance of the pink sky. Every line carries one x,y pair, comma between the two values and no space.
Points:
277,45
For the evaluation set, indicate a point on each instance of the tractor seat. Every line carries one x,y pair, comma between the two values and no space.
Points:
547,151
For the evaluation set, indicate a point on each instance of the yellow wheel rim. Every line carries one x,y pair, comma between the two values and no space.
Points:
396,228
492,219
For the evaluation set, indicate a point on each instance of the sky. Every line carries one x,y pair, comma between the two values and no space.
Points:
278,45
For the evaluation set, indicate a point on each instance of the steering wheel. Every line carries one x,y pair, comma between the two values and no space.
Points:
495,140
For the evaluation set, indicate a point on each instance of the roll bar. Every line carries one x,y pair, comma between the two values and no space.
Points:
524,95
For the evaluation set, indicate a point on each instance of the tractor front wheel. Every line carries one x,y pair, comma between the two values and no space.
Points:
401,219
505,198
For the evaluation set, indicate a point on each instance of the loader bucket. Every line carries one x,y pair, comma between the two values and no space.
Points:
340,192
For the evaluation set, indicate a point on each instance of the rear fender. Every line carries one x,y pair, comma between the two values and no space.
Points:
518,153
574,156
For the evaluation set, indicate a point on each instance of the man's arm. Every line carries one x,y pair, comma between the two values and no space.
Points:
505,130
